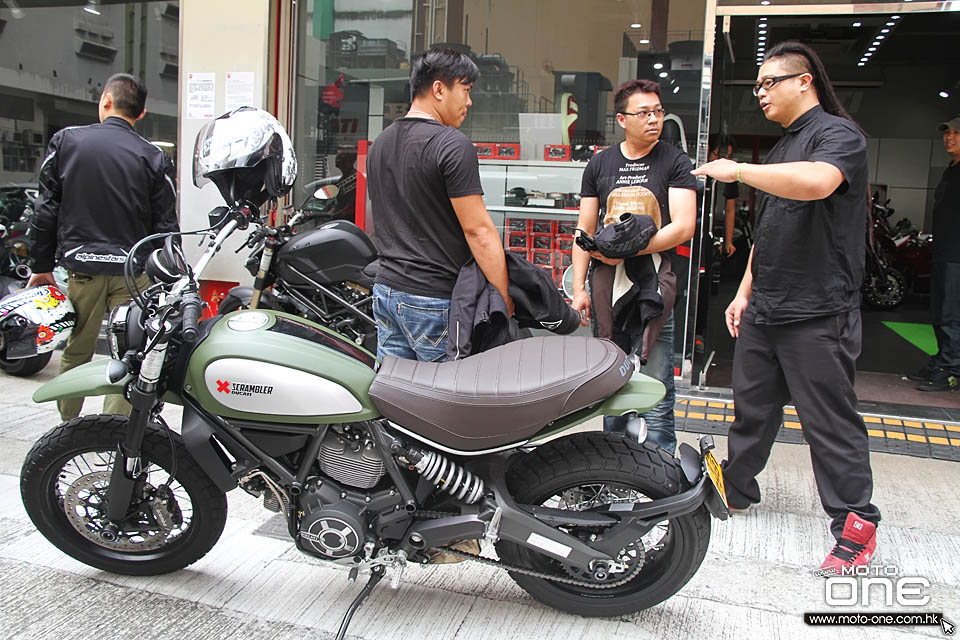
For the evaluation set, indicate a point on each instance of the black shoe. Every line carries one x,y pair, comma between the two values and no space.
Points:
940,380
923,374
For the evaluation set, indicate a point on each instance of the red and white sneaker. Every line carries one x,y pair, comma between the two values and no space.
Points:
854,548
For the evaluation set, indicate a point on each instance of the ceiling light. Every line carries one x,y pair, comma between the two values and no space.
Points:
867,54
894,17
635,25
663,74
644,41
676,89
762,38
91,7
881,37
884,30
759,64
890,24
858,24
944,94
762,31
658,65
161,143
860,64
765,2
872,49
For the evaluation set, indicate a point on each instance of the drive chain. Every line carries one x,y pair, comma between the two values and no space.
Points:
524,570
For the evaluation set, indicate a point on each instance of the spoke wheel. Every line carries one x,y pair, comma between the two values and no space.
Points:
171,521
588,470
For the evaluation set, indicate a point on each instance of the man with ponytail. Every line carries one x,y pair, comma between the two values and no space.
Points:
796,315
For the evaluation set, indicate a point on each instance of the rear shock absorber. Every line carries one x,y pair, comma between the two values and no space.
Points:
446,474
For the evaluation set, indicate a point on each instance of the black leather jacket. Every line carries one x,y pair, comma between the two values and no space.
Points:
102,188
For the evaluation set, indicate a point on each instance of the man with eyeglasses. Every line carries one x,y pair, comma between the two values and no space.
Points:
639,176
796,315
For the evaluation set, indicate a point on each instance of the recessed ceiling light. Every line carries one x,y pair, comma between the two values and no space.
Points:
860,64
635,25
894,17
763,25
663,74
676,89
762,38
858,24
872,49
881,37
765,2
944,94
644,41
890,24
759,64
884,30
867,54
658,65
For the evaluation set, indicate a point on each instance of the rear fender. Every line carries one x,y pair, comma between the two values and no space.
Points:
640,394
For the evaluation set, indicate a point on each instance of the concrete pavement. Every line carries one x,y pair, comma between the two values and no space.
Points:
755,582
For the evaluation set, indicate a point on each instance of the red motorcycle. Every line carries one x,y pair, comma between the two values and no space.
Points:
908,250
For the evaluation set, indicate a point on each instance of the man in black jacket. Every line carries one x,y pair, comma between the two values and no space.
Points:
102,188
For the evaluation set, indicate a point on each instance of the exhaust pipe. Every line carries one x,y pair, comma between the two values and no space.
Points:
23,271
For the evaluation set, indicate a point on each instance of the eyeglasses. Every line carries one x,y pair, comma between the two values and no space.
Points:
643,114
768,83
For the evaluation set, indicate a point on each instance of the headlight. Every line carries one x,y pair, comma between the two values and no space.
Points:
123,330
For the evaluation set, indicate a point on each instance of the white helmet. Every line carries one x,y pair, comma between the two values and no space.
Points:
35,321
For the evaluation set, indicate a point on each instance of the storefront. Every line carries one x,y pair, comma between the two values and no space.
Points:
335,73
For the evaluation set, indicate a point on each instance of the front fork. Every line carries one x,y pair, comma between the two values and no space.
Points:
142,394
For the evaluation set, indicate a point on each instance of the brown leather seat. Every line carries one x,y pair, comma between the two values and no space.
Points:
501,396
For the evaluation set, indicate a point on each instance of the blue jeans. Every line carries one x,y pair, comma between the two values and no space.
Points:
661,427
945,309
410,326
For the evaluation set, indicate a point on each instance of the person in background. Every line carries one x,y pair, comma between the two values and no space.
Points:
102,189
428,213
942,371
640,174
796,315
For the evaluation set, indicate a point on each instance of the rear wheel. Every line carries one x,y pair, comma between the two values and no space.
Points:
590,469
172,521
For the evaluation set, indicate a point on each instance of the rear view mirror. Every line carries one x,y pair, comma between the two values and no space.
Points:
326,192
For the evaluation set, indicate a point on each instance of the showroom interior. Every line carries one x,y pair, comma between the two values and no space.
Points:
335,73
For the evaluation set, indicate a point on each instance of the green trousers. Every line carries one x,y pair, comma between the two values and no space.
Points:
93,296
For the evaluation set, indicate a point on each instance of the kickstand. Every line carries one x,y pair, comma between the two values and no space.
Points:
376,574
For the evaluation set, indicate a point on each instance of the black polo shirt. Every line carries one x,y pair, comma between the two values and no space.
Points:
808,255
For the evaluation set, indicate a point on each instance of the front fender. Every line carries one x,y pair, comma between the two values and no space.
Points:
88,379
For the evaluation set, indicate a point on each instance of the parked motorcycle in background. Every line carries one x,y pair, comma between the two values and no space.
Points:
884,286
908,250
325,274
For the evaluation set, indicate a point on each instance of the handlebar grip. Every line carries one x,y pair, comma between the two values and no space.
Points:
190,312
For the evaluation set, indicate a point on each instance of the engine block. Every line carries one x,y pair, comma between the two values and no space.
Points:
353,462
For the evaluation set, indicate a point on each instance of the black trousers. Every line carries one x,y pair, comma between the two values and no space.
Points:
813,362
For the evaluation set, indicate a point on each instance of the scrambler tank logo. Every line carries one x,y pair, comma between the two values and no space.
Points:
243,389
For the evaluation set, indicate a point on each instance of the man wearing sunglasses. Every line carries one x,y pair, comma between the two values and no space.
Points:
796,315
641,175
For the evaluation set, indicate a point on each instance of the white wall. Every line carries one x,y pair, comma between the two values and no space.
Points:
218,36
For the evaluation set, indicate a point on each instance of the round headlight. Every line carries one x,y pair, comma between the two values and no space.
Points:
123,330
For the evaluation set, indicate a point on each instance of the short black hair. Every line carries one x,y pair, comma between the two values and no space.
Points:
129,94
718,140
631,87
440,63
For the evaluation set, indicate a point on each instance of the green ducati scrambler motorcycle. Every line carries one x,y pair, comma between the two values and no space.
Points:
374,465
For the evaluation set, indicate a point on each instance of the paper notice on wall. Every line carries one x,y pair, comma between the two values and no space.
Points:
238,90
201,92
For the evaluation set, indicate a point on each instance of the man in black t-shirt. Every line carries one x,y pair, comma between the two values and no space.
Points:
428,213
942,372
639,176
796,315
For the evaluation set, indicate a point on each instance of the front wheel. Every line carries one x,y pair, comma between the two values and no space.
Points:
588,470
884,290
172,521
23,367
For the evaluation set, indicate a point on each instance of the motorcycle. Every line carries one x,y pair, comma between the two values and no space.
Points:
325,275
909,250
884,286
13,277
374,465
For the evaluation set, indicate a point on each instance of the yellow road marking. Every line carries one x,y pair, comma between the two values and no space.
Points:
873,419
953,427
933,425
716,417
893,422
911,423
915,438
790,412
718,405
789,424
730,418
696,415
680,414
955,442
938,440
896,435
698,403
876,433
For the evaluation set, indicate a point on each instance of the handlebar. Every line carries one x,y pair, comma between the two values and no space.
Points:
190,307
